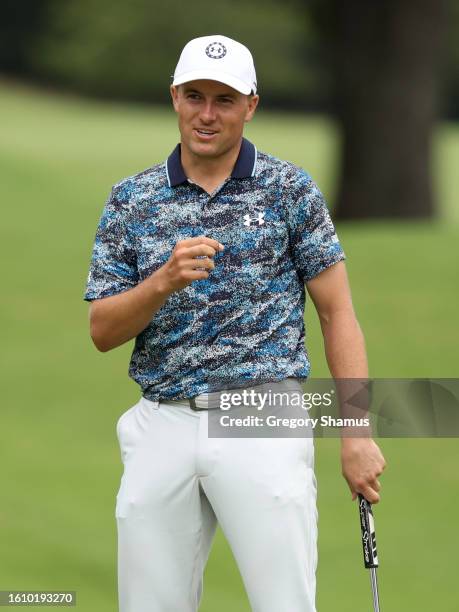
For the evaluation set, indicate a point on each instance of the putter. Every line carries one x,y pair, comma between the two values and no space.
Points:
370,556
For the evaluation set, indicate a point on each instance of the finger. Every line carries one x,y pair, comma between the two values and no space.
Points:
197,275
376,485
370,494
198,264
218,246
351,488
199,250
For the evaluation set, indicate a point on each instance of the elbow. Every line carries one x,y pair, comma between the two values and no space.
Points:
103,330
102,348
99,341
99,335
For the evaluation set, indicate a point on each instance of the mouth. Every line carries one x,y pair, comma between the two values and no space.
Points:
205,134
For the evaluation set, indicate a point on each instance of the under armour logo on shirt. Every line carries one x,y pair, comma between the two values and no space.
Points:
260,219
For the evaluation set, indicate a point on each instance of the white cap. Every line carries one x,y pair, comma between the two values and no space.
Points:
217,58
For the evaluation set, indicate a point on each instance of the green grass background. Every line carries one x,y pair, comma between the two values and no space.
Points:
60,464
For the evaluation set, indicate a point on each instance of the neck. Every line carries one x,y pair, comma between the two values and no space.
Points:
209,172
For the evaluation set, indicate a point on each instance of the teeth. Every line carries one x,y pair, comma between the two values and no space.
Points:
205,132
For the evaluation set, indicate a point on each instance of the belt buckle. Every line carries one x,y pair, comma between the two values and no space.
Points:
193,406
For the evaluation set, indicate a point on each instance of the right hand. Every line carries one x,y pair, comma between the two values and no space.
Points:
362,462
182,267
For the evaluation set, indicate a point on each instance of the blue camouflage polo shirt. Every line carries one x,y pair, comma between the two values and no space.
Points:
244,324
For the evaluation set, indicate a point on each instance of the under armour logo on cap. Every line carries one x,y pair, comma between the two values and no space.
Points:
216,50
260,219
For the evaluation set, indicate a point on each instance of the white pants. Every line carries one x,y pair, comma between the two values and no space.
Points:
178,482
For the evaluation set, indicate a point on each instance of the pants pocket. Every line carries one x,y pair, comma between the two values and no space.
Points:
124,429
122,418
133,425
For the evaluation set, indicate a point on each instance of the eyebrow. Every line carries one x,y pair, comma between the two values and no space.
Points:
221,95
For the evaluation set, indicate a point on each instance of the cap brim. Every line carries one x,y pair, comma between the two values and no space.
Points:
221,77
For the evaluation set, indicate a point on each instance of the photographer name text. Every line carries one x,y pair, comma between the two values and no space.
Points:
290,423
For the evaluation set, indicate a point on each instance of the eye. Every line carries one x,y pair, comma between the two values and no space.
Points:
226,100
193,96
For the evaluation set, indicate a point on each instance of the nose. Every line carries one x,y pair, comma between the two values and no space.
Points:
208,112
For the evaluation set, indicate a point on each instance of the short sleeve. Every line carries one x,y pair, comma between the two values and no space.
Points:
113,267
314,243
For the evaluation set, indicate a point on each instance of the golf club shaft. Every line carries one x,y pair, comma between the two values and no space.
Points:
374,588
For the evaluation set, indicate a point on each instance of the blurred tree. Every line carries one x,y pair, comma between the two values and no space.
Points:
21,24
384,58
450,69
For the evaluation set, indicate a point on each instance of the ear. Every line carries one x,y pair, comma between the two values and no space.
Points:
175,95
253,103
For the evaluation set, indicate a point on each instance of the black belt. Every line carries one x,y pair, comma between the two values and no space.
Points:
211,401
203,403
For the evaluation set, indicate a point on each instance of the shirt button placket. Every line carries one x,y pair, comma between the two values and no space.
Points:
205,199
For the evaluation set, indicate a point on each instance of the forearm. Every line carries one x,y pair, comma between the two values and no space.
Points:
116,319
347,361
344,345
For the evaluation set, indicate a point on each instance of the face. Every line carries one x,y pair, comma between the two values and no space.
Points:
211,116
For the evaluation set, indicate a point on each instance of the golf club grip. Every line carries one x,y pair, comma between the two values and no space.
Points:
367,525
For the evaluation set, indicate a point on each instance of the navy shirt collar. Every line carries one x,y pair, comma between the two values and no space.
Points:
243,168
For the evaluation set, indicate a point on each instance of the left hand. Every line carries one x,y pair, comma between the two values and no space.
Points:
362,462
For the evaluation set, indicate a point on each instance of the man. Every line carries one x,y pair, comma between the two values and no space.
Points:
203,260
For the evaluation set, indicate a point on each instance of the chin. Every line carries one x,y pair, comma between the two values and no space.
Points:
202,149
